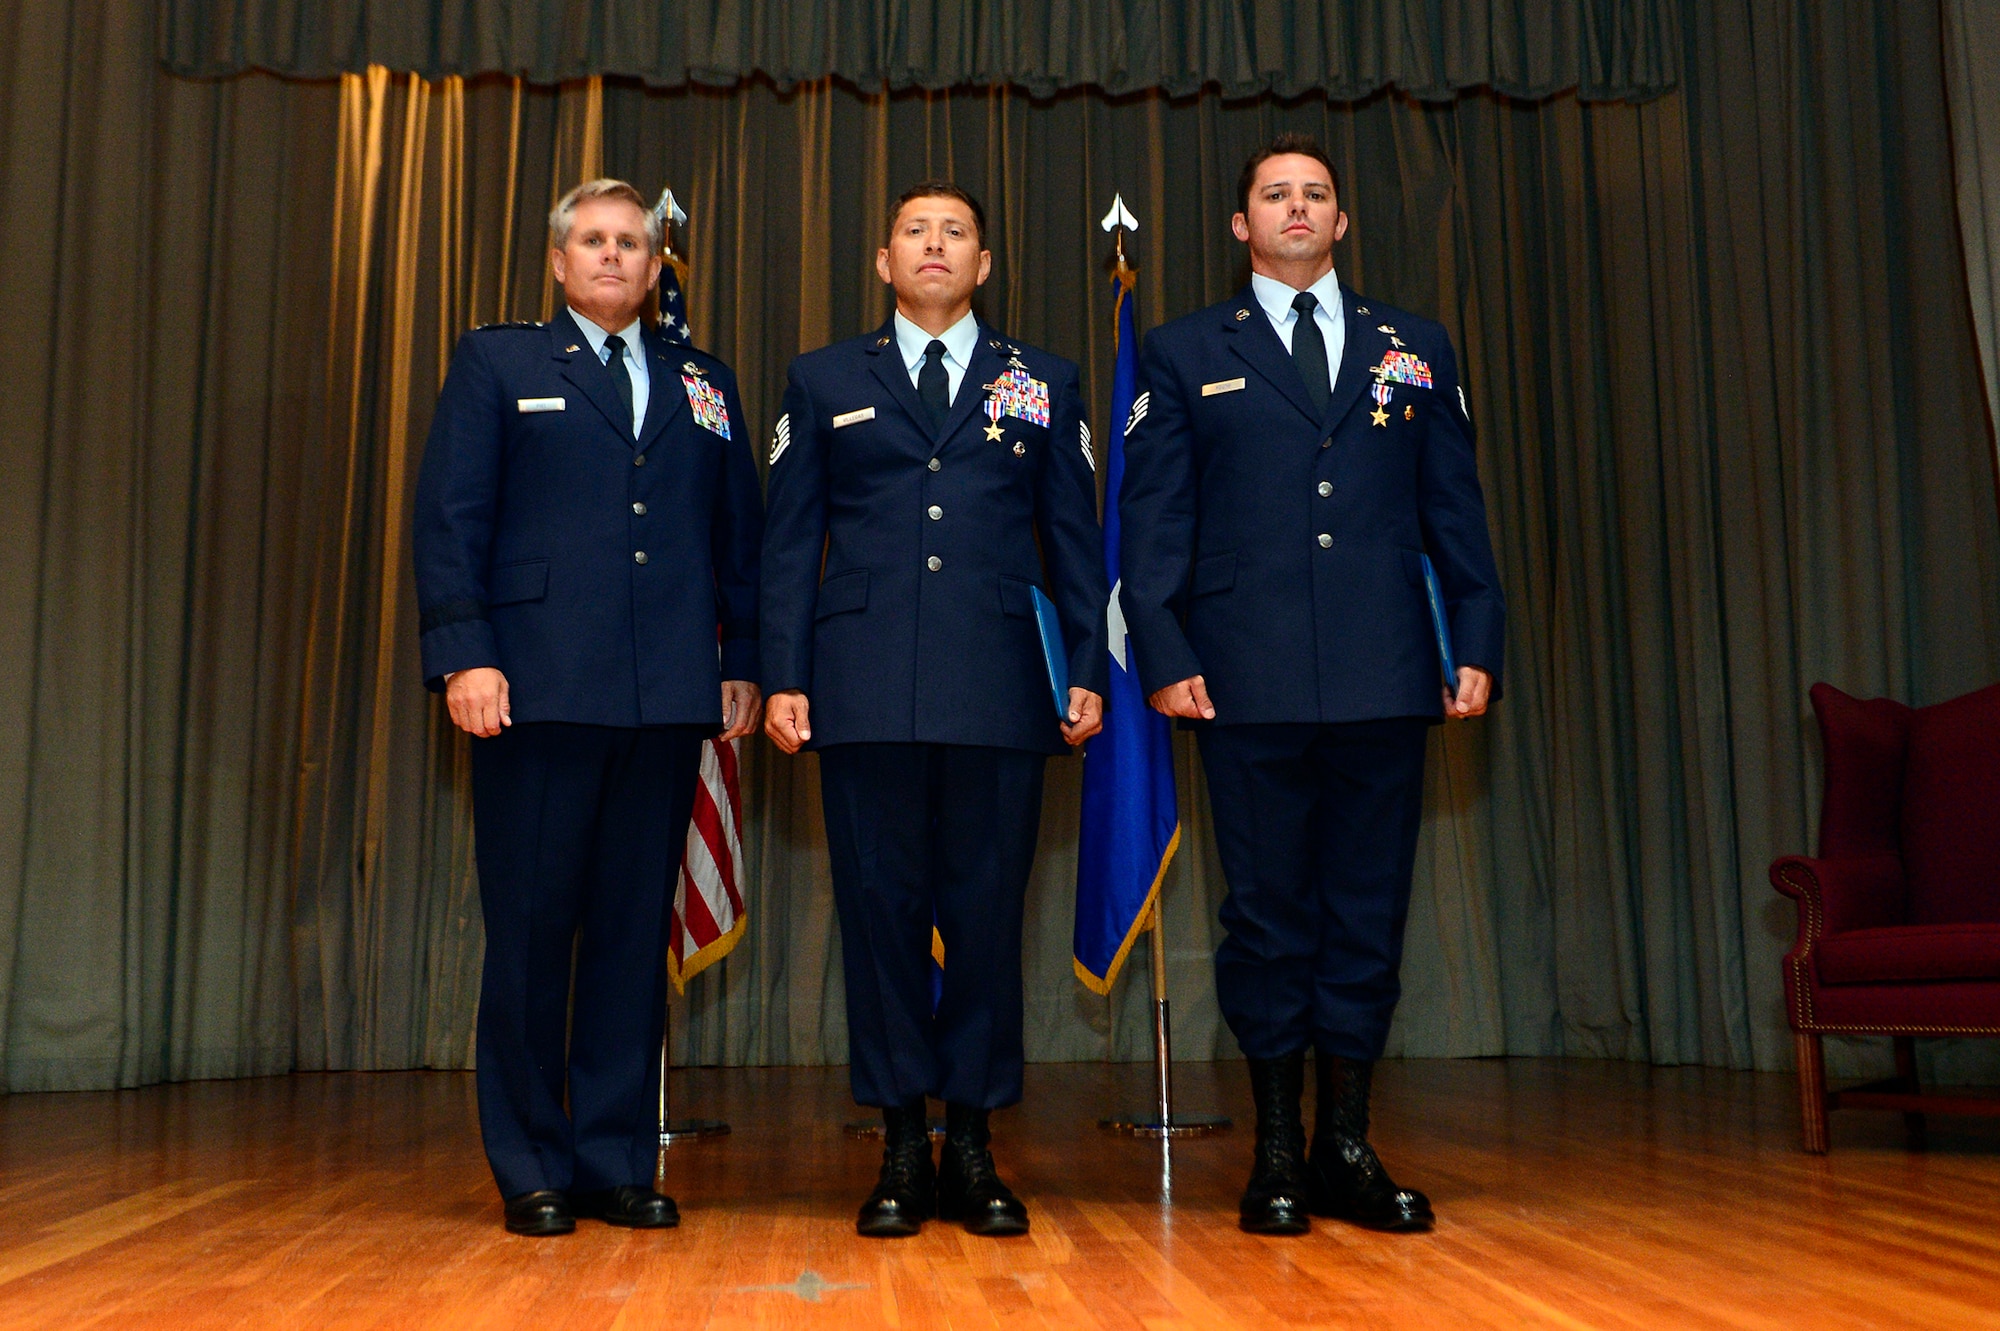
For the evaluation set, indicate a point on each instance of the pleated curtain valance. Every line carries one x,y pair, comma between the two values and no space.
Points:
1432,49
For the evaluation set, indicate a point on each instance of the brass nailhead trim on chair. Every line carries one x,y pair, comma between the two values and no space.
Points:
1809,897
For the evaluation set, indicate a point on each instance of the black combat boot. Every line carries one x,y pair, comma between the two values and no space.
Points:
1275,1201
967,1187
1346,1177
906,1193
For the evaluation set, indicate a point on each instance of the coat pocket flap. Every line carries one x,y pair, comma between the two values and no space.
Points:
841,593
1217,573
525,581
1017,598
1413,567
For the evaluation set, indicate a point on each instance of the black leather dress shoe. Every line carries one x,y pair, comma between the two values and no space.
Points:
540,1213
968,1188
629,1206
1345,1179
906,1191
1275,1200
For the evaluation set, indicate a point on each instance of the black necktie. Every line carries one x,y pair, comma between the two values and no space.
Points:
614,352
1309,351
934,386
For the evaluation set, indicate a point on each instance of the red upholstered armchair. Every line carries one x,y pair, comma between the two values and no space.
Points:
1899,913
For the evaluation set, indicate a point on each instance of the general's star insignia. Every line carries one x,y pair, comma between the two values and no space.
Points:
993,431
1379,416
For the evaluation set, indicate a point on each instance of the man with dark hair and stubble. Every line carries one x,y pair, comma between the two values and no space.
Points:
929,482
1295,454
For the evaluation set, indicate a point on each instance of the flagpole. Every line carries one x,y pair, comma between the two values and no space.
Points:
675,1129
1165,1123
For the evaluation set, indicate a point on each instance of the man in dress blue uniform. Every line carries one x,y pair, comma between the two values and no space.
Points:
1293,454
912,473
587,527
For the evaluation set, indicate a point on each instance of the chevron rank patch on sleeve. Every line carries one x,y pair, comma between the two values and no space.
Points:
1139,406
781,438
1083,432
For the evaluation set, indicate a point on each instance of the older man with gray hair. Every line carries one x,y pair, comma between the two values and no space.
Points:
587,531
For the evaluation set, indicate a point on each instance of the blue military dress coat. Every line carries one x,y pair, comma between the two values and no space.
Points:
594,569
900,565
1275,549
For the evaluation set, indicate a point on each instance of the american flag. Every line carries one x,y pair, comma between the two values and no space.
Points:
708,897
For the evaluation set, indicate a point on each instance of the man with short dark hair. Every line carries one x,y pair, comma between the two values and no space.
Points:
930,482
1297,452
587,529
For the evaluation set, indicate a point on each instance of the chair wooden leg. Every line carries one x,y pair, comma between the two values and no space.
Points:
1812,1091
1906,1072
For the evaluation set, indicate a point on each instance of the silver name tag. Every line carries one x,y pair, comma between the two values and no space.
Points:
854,417
539,404
1221,386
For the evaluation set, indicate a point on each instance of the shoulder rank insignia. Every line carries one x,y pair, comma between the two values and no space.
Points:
511,323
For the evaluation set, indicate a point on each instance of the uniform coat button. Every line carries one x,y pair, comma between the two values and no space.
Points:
935,512
640,508
1326,442
639,460
935,465
933,563
639,556
1325,489
1325,541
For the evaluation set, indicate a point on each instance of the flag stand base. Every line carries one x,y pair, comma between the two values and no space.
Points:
689,1129
1164,1124
681,1129
872,1127
1179,1126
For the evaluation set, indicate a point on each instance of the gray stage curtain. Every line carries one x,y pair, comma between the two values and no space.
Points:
1717,345
1972,76
1346,48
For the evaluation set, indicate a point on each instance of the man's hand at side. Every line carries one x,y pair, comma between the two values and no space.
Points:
1189,698
477,701
1475,687
785,720
1086,716
740,703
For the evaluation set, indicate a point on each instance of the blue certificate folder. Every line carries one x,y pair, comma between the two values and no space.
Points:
1053,655
1439,625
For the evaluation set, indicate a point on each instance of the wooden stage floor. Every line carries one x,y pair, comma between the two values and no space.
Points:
1569,1193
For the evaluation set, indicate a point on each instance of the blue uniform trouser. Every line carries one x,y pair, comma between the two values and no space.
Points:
580,831
918,832
1316,827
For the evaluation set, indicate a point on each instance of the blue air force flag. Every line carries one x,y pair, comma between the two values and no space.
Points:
1131,826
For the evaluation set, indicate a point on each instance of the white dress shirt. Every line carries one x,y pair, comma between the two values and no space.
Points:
1276,298
635,362
959,342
